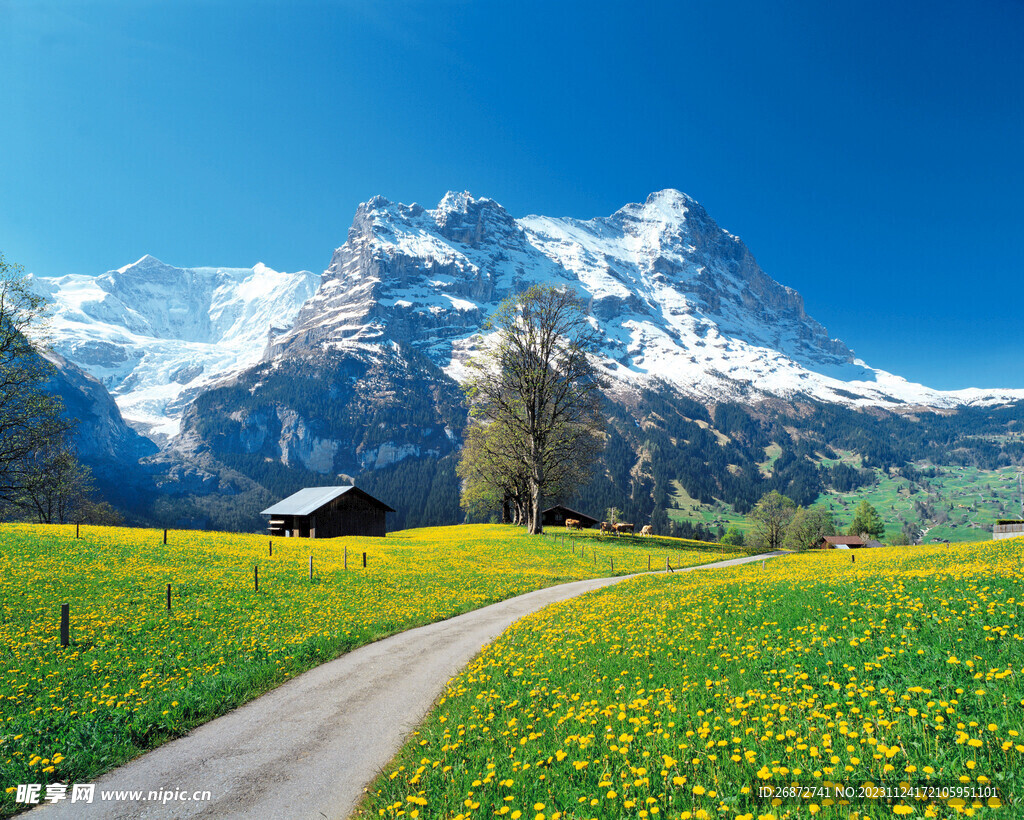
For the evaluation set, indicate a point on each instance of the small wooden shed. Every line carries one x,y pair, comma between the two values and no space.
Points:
327,512
555,517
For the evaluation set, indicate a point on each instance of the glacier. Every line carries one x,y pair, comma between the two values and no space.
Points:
155,335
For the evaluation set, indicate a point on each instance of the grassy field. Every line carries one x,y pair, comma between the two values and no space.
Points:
680,696
136,674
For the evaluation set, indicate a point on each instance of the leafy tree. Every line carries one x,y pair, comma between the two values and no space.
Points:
57,488
866,520
612,515
30,418
733,537
771,516
808,526
492,476
901,539
536,391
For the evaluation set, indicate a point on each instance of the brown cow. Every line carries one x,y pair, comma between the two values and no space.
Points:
621,528
573,524
647,529
606,527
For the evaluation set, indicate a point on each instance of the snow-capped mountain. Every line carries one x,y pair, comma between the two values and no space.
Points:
155,335
678,299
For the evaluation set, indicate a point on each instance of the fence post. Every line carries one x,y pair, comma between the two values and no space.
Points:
346,557
76,531
256,576
271,548
612,560
668,567
311,568
168,597
165,535
648,563
65,624
364,560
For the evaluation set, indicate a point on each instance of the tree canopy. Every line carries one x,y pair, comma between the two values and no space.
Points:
771,516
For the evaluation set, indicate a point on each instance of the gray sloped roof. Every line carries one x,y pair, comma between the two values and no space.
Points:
310,499
306,500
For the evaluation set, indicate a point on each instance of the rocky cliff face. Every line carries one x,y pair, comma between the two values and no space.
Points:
102,439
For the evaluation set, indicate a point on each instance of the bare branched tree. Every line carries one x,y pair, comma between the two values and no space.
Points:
535,420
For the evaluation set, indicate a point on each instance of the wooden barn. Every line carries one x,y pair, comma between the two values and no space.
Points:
555,517
327,512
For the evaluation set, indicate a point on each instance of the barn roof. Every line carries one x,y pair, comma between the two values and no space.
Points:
310,499
848,540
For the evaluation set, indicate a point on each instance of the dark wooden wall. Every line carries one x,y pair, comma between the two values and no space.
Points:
348,515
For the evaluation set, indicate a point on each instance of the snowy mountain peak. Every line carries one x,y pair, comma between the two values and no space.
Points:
142,264
668,205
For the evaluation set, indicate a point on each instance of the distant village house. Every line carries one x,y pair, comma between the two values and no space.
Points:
846,542
1008,528
327,512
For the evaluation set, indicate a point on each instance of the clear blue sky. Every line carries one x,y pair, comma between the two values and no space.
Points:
871,154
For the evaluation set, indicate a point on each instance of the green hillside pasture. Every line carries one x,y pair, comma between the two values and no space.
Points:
679,696
687,508
136,674
958,504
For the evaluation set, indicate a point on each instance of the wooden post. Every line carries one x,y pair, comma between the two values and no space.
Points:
165,535
668,568
271,548
256,576
648,563
612,560
65,624
853,559
364,560
311,568
168,597
346,557
76,531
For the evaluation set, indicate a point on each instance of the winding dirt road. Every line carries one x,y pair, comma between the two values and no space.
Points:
309,748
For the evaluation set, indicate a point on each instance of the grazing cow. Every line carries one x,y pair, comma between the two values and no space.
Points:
606,527
621,528
573,524
647,529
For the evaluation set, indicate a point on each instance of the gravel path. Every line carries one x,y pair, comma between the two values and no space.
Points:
310,747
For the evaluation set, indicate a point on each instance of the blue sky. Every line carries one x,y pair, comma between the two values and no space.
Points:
870,154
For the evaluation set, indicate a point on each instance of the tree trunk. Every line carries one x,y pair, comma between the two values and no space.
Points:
506,513
536,525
